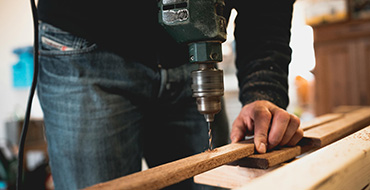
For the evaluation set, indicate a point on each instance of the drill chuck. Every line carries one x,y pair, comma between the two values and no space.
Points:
208,88
201,25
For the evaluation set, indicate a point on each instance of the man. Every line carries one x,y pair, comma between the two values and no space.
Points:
115,87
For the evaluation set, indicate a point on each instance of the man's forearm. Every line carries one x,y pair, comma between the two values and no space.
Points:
263,54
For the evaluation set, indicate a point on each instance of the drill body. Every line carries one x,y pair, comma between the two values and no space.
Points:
200,24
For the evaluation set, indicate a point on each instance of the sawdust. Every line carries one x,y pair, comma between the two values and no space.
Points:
363,136
213,150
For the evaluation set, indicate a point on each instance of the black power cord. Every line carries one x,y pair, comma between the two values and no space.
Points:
30,96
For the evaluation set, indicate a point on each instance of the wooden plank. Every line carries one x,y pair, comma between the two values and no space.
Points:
346,109
269,159
330,132
354,121
326,118
315,137
240,172
344,164
277,156
364,70
232,176
356,28
174,172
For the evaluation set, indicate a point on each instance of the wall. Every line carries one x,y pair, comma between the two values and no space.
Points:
303,62
16,30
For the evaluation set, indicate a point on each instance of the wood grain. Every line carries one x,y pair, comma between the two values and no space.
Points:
317,135
342,65
269,159
330,132
232,177
326,118
279,155
350,122
174,172
346,109
344,164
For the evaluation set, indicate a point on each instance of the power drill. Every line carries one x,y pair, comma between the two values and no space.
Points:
201,25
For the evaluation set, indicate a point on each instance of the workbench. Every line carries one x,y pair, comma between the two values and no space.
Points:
334,154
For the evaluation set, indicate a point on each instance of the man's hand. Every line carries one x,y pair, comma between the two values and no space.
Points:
270,124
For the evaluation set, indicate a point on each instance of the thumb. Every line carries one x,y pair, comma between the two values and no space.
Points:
260,146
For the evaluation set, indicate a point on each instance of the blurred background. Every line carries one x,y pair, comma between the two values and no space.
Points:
330,67
330,61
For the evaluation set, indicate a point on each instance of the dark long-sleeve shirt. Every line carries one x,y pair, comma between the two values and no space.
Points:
131,29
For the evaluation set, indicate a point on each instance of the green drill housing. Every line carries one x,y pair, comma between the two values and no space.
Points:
198,23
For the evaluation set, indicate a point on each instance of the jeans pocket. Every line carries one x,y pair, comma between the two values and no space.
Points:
54,41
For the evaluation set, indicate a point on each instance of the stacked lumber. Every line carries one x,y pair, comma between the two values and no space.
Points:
344,164
318,133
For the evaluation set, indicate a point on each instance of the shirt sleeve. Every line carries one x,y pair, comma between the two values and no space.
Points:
262,36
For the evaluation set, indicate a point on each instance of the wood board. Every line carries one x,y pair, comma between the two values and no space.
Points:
330,132
269,159
353,120
326,118
279,155
316,135
174,172
346,108
233,176
344,164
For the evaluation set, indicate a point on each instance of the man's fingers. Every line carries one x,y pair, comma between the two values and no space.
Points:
238,130
298,135
262,118
271,126
291,130
280,122
242,126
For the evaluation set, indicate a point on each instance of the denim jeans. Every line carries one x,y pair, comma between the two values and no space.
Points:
103,112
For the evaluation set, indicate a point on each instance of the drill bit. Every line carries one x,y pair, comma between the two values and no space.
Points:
210,146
